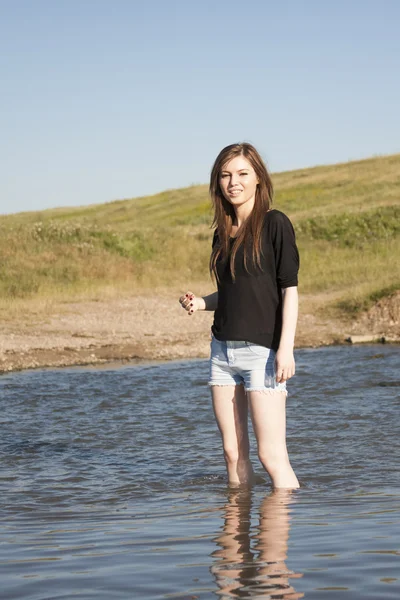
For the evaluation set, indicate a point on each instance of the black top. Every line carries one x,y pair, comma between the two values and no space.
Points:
250,308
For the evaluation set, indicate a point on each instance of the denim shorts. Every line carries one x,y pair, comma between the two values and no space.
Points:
236,363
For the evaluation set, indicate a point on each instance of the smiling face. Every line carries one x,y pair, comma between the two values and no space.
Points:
238,182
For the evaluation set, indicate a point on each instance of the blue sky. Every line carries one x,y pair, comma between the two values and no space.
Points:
103,100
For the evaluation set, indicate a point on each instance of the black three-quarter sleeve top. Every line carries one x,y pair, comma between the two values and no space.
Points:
250,308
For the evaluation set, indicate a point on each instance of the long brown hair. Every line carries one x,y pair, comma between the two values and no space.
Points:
224,212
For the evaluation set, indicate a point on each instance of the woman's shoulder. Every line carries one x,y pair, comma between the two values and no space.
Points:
276,218
277,222
273,215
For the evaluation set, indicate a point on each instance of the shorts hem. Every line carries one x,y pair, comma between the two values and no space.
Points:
213,383
266,390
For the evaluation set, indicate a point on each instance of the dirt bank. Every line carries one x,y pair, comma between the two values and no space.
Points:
155,328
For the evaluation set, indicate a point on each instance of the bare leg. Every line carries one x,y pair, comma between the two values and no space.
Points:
268,413
231,412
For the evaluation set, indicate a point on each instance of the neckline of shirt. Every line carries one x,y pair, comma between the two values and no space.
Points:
268,211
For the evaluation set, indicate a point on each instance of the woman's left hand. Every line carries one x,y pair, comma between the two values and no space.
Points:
284,364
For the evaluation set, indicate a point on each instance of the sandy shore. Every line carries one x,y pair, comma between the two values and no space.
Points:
154,328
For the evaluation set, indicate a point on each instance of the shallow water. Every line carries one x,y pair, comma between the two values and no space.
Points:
113,486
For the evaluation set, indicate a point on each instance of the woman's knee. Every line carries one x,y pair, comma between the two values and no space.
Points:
234,454
273,459
231,454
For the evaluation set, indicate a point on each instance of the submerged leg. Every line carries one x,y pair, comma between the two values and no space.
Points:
231,413
268,413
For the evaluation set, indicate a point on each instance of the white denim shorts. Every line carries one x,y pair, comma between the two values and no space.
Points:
237,363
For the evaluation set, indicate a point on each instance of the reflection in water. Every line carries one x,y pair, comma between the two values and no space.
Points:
250,559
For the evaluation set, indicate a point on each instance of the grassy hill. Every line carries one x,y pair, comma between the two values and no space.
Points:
346,216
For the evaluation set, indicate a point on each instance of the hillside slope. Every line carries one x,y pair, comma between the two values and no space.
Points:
346,217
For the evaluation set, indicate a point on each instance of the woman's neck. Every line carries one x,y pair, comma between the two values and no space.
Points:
242,213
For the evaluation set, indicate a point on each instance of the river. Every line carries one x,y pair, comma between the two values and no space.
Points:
112,485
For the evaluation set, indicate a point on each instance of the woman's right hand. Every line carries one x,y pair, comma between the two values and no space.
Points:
191,303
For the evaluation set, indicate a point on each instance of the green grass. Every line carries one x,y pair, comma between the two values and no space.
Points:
353,306
356,230
346,219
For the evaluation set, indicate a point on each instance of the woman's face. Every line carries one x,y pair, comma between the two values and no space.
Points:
238,181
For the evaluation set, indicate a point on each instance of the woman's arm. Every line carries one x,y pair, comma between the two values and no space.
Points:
209,302
192,303
285,366
290,301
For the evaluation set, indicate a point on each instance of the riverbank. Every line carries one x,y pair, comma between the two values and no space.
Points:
154,327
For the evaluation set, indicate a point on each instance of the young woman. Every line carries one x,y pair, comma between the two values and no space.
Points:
255,262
